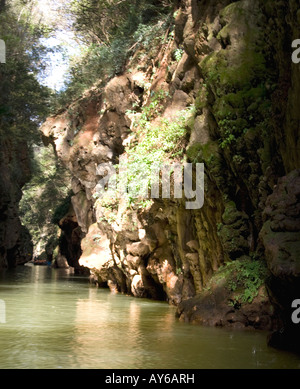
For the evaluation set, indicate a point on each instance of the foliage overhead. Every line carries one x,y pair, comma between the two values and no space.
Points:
23,100
109,33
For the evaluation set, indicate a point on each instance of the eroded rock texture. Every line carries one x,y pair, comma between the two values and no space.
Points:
15,241
236,71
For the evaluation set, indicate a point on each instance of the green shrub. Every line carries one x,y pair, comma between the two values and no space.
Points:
246,277
241,278
158,143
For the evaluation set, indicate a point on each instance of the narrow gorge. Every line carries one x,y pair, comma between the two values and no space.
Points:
215,86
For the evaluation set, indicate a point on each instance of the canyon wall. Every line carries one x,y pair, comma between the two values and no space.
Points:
228,64
15,241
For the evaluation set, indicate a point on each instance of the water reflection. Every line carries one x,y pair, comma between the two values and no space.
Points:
57,320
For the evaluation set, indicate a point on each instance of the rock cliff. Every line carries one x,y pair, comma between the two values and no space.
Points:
226,66
15,241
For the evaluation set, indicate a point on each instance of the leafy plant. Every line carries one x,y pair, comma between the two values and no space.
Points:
178,53
247,276
158,143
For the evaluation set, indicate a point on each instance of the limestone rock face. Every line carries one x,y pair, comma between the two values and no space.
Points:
69,250
281,236
15,242
96,249
212,309
281,231
235,71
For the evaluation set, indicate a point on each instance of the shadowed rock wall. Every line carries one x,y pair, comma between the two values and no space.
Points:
15,241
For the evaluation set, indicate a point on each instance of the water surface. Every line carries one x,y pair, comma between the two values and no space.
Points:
55,320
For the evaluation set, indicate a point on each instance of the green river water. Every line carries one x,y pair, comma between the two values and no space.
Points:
51,319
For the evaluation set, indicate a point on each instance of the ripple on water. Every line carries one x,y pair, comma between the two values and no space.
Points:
56,320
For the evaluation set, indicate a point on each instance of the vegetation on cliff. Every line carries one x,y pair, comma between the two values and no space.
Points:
109,34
